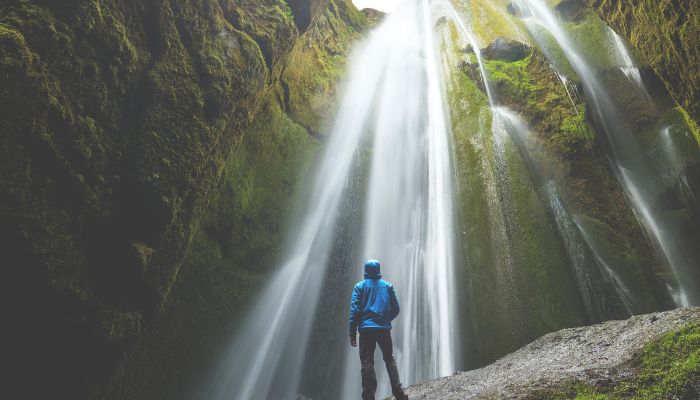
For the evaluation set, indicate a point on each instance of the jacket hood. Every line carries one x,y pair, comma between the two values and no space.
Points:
372,270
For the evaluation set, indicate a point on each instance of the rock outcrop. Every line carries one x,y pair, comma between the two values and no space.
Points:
653,356
665,33
505,49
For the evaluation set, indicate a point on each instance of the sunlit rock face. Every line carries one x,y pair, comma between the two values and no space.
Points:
664,33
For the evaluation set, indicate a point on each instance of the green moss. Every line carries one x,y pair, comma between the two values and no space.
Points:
664,33
317,62
119,119
235,244
489,21
509,250
691,124
669,366
593,40
512,75
576,133
565,147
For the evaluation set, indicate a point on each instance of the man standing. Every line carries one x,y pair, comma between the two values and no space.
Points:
372,308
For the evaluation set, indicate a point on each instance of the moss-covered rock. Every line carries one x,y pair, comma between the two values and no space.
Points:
565,149
665,33
119,121
236,243
569,153
315,64
513,267
666,368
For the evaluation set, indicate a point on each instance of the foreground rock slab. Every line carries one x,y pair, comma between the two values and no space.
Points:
596,355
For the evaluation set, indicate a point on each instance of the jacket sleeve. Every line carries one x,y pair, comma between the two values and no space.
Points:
355,309
393,298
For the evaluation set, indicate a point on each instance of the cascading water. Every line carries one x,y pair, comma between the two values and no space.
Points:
638,180
625,62
409,202
506,126
602,291
394,93
272,342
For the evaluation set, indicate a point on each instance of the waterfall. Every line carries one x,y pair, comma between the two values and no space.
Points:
634,173
409,213
625,62
266,357
394,97
590,276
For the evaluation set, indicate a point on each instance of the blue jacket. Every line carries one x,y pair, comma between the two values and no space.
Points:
374,303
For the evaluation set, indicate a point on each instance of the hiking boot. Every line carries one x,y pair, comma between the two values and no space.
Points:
400,395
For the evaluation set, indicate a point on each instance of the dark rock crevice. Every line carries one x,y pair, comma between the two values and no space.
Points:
301,9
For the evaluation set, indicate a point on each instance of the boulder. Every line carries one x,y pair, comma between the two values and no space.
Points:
506,50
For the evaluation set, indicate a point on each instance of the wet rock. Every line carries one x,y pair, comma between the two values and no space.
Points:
506,50
515,9
440,22
374,17
572,10
468,49
660,31
601,356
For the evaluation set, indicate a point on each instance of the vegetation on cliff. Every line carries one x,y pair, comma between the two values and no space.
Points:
120,121
566,150
665,33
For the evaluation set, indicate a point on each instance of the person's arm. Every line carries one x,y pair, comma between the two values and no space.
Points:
394,299
355,309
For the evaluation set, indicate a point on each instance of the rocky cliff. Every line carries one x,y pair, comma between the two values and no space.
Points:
143,142
653,356
150,153
665,33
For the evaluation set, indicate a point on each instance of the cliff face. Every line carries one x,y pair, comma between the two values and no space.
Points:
653,356
665,33
128,130
527,282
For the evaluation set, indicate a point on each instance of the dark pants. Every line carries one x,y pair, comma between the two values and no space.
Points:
368,339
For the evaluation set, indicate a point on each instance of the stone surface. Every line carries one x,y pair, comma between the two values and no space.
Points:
595,354
506,50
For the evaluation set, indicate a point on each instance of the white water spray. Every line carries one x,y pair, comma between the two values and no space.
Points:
409,213
395,94
625,62
266,357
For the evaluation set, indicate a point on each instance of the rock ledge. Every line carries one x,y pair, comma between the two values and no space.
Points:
595,355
